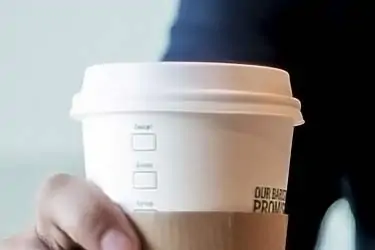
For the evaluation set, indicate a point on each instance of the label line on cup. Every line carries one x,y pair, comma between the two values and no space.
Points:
145,180
143,142
144,165
145,210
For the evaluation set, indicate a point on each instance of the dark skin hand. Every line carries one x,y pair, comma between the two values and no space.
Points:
75,214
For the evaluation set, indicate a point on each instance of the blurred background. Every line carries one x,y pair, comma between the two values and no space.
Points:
45,47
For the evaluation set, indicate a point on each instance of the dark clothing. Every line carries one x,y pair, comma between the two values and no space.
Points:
325,46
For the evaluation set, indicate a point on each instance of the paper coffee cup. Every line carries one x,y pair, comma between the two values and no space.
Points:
188,137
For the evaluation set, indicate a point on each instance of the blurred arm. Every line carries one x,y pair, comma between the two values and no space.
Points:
224,31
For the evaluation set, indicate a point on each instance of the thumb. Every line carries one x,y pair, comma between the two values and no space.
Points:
74,213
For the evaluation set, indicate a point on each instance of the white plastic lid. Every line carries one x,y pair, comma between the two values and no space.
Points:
220,88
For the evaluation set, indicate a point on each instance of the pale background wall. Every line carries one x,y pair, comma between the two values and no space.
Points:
44,47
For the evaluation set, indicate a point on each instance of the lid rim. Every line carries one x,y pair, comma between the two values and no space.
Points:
194,107
190,63
82,116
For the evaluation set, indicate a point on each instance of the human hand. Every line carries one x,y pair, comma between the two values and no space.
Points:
75,214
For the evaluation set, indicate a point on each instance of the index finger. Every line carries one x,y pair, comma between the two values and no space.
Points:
72,212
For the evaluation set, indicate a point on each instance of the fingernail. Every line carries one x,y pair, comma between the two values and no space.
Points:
115,240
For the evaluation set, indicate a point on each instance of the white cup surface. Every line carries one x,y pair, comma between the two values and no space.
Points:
221,145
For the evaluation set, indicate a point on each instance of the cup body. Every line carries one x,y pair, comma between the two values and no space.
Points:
190,162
